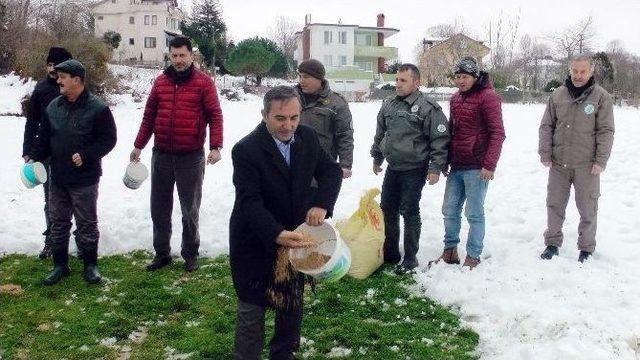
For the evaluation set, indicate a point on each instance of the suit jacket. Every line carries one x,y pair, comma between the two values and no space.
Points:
272,197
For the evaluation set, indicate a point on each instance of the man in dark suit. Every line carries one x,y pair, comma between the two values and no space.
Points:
273,168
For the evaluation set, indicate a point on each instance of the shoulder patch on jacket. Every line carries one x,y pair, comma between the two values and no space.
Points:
431,101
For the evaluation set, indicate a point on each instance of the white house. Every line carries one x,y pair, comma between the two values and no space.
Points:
353,55
146,26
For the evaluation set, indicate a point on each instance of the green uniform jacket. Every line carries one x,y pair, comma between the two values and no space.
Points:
411,133
330,117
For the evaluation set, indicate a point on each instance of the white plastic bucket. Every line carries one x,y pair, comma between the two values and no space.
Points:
330,244
33,174
135,175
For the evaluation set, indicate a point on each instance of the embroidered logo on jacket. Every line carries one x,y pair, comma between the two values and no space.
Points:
589,109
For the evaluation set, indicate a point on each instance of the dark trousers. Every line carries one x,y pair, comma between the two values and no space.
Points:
81,203
47,218
249,338
186,171
401,192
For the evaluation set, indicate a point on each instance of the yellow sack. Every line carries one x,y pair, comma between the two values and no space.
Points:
364,234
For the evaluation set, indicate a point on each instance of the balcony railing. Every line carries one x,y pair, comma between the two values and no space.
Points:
386,52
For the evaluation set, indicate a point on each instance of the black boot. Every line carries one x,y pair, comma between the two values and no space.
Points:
46,251
60,269
91,274
56,275
191,264
584,255
159,262
407,266
549,252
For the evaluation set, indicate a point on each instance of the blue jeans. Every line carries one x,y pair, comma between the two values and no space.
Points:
464,186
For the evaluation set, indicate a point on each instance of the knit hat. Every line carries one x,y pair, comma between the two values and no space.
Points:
312,67
58,55
72,67
467,65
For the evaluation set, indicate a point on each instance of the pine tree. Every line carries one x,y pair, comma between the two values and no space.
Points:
208,31
251,58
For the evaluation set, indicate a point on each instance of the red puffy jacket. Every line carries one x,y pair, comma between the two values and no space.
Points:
476,127
178,114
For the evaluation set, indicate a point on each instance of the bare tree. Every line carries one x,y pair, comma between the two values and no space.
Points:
283,33
575,39
447,30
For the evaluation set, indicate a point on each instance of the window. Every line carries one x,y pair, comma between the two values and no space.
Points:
364,65
173,24
132,20
343,60
342,37
328,60
328,37
146,19
150,42
166,20
131,42
154,20
367,40
100,17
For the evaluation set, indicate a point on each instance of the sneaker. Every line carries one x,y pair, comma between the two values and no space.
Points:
471,262
549,252
46,252
159,262
91,274
584,255
191,265
406,267
54,277
449,256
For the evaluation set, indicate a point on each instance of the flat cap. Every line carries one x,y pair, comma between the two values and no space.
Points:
72,67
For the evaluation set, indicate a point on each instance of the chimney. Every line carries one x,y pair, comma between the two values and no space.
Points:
380,24
307,19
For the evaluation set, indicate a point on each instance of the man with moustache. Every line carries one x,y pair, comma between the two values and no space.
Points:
77,132
45,91
182,103
327,113
575,141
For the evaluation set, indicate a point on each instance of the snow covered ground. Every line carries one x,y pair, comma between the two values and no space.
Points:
522,307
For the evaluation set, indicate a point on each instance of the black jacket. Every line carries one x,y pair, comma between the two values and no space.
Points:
45,91
85,127
272,197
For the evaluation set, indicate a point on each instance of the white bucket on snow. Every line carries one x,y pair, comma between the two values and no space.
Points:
330,244
135,175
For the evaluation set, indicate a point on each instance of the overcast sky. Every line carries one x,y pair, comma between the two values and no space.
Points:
613,19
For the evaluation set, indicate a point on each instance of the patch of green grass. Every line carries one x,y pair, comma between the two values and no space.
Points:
170,312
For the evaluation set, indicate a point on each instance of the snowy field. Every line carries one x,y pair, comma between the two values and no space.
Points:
522,307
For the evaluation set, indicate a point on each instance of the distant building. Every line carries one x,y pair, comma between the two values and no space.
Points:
354,56
146,27
439,55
